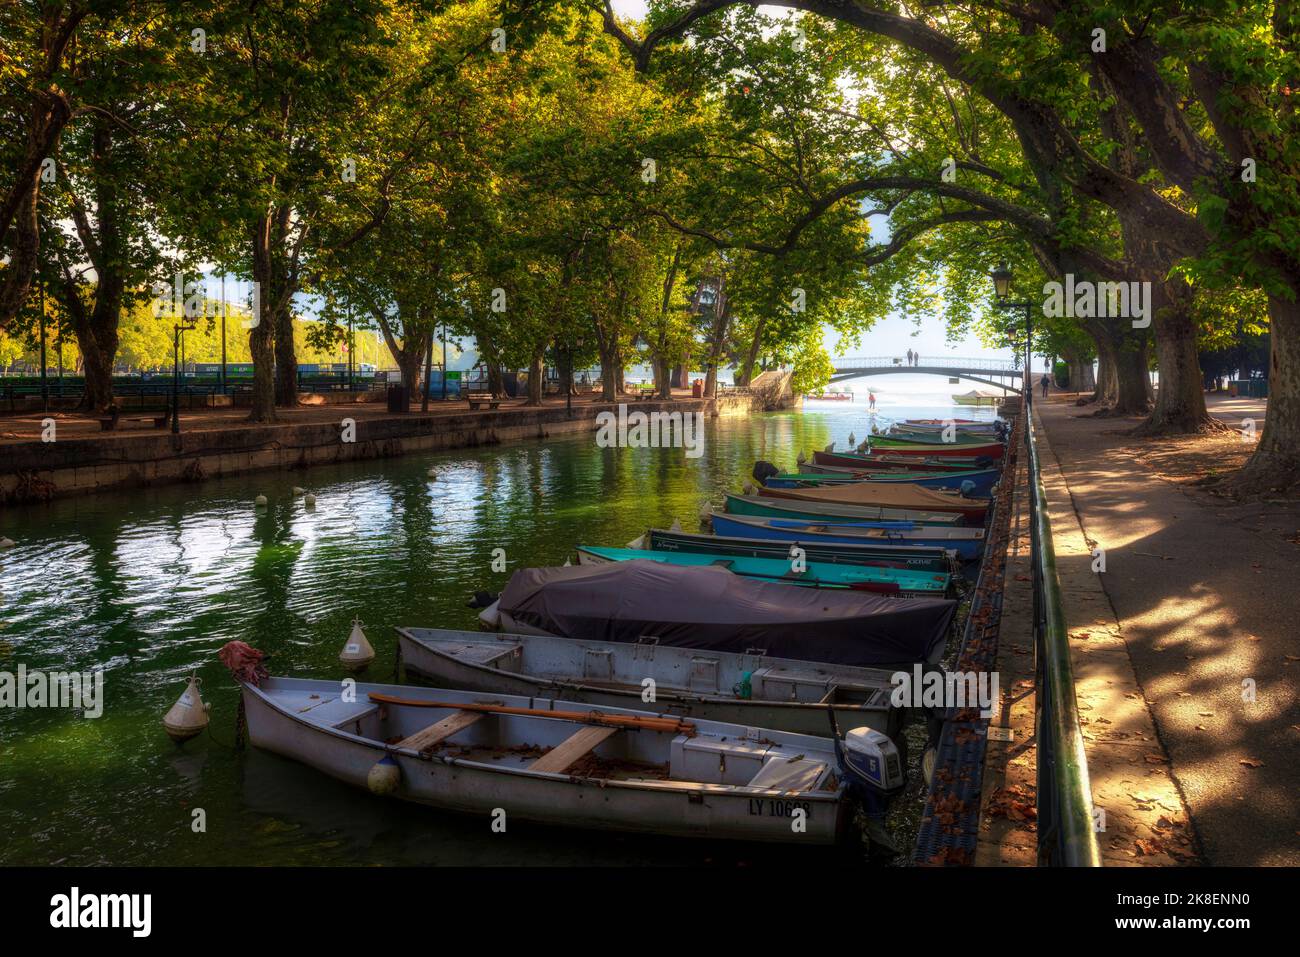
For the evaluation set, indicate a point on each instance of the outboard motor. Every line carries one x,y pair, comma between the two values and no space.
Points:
871,766
764,471
967,486
481,599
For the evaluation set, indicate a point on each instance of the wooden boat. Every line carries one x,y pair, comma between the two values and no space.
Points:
936,446
781,508
978,397
748,689
711,609
982,429
917,557
976,482
885,494
881,460
967,543
568,762
888,581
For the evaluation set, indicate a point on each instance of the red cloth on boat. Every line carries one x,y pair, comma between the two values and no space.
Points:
244,662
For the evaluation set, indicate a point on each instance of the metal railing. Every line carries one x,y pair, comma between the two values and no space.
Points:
1006,366
1066,836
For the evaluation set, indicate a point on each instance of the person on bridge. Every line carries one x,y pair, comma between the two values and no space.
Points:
909,357
916,358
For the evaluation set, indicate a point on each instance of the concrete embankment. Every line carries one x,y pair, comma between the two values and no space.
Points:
209,447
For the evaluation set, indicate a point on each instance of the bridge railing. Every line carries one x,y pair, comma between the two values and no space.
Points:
932,362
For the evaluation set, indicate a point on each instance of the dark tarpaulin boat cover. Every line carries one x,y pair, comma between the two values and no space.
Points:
710,608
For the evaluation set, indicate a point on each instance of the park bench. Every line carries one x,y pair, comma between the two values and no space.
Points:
645,392
109,423
477,399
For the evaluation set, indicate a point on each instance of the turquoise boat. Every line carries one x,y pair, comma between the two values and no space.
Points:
763,507
894,581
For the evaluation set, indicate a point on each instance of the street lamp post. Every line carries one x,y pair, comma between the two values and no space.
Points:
177,329
1002,290
444,362
45,388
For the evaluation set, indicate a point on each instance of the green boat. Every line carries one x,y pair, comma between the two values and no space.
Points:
892,581
765,507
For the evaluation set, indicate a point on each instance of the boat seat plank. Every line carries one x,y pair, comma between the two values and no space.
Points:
440,731
563,755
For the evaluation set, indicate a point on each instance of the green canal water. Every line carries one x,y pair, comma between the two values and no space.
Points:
148,584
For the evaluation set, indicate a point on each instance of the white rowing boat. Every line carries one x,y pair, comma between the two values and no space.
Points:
504,757
750,689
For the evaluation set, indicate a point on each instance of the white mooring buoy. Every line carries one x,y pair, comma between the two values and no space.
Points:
676,526
260,501
188,717
802,459
309,500
432,474
384,776
829,448
358,652
706,513
748,488
298,490
7,542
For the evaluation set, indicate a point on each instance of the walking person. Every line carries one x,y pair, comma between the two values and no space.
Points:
871,400
1044,384
909,357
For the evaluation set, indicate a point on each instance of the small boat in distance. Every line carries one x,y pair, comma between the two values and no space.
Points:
978,397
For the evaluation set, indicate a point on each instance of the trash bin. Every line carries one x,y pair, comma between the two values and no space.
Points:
697,388
397,398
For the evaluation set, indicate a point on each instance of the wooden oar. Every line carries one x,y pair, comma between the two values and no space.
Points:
673,725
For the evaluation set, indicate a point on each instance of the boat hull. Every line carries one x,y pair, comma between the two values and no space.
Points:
902,463
798,717
917,446
966,548
871,495
917,557
670,808
982,481
766,507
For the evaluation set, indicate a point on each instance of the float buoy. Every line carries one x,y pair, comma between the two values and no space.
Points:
384,777
188,717
432,473
260,501
748,489
676,526
706,513
7,542
802,459
358,652
298,490
309,500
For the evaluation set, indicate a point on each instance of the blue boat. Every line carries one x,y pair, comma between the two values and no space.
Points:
968,543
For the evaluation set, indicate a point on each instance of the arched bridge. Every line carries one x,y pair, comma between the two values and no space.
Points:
994,372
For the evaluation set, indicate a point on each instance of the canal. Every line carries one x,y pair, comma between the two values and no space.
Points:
148,584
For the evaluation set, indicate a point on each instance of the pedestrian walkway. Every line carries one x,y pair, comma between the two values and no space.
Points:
1200,597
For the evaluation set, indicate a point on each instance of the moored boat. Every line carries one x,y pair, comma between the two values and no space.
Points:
977,482
750,689
908,462
918,557
710,608
569,763
781,508
935,446
885,494
811,574
967,543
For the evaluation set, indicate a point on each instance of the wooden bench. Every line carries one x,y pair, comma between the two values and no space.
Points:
645,392
563,756
427,739
477,399
110,422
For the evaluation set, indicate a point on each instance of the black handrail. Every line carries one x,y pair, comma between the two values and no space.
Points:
1066,836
